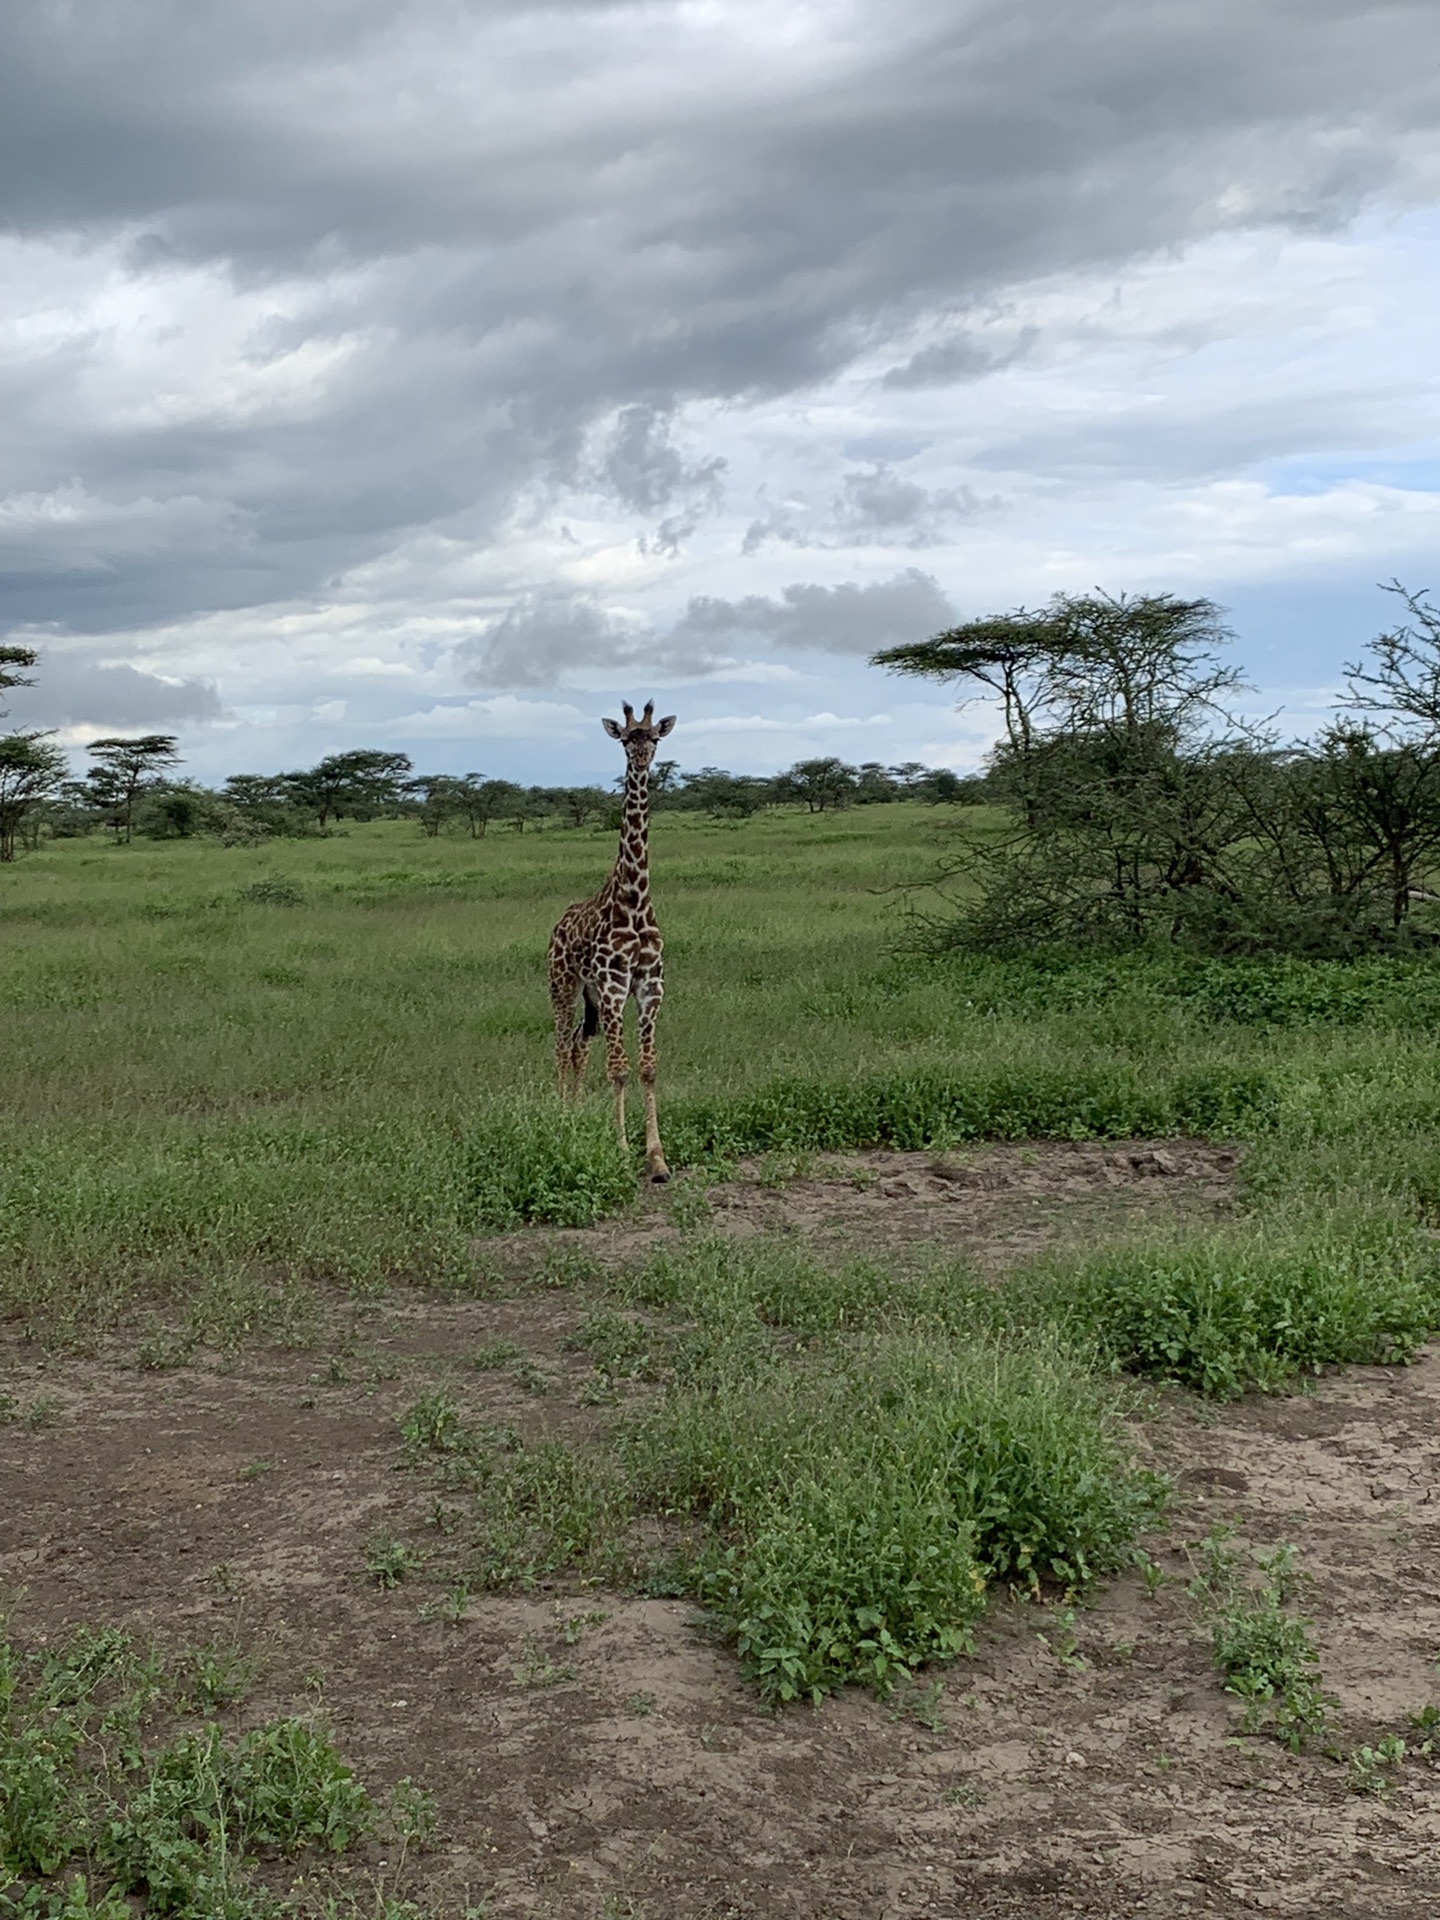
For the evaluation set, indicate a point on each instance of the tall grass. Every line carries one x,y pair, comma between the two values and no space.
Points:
206,1088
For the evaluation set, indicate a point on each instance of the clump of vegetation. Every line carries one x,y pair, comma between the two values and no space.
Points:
862,1503
545,1507
838,1470
182,1820
563,1166
389,1561
1249,1308
1261,1646
1140,810
1039,1100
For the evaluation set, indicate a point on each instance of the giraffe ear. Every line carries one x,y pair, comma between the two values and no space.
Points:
665,725
614,729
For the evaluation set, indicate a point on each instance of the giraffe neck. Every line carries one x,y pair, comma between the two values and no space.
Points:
632,863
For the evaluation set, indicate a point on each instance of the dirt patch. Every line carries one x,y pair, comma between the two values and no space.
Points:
597,1755
993,1205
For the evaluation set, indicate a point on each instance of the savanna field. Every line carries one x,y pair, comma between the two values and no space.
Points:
994,1477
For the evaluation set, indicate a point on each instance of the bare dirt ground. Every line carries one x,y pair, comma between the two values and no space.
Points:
597,1756
993,1204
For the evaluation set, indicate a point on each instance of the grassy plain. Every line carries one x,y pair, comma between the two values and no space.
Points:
221,1061
248,1089
226,1066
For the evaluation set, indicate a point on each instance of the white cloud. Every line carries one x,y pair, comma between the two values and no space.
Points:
815,723
503,718
759,673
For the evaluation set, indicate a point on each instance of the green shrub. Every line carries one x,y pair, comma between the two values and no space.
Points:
862,1502
1248,1309
846,1578
435,1424
291,1789
74,1901
562,1166
546,1507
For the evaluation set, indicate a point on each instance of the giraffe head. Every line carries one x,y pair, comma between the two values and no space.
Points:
639,737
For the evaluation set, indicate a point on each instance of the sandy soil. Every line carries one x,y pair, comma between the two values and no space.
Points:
994,1204
616,1765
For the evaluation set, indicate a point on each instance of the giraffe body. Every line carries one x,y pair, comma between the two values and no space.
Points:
607,949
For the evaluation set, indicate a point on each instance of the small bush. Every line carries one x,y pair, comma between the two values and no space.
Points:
564,1167
389,1562
1231,1312
543,1508
272,893
1262,1648
435,1425
863,1502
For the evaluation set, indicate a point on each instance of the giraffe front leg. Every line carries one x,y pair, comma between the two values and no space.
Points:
617,1063
648,995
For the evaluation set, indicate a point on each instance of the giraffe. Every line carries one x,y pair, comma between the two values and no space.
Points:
608,947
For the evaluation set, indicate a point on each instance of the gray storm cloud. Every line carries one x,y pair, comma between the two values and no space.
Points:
849,618
542,637
545,636
497,226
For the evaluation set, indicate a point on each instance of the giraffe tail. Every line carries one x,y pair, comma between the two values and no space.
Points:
590,1022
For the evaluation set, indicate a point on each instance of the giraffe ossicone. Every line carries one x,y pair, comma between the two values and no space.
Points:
606,949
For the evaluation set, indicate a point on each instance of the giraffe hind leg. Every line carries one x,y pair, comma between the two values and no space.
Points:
562,1002
585,1030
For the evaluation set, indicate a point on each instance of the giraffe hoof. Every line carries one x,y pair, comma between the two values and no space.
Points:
659,1176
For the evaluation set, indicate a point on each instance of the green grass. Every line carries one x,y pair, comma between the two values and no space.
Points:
202,1083
237,1079
841,1464
232,1074
235,1075
1251,1307
112,1764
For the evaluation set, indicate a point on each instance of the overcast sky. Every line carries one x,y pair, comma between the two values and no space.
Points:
434,374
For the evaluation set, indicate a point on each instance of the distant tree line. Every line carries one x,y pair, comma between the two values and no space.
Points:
130,787
1137,807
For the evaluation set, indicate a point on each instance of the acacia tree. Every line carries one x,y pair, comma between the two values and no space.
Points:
1138,667
31,769
1389,789
13,662
822,783
126,768
1111,708
478,801
437,795
363,782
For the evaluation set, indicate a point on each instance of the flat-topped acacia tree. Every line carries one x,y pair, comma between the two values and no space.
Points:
124,768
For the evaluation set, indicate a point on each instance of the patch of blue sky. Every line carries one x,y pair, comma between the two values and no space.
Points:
1411,472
